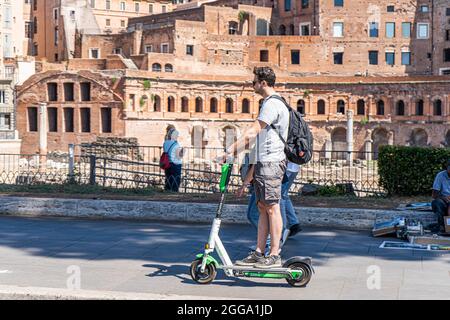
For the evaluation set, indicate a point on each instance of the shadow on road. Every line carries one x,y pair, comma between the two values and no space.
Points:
171,243
181,272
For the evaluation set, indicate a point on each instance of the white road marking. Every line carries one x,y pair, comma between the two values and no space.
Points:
5,271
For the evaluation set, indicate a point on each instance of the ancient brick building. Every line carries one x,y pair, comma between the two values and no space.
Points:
192,69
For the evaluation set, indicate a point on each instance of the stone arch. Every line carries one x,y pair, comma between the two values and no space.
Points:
437,107
233,27
156,103
156,67
380,137
213,105
245,106
321,106
419,107
229,105
282,30
400,108
360,107
339,143
184,104
418,138
198,104
341,106
143,103
168,68
380,108
170,104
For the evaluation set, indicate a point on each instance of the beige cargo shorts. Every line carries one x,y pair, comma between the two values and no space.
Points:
267,180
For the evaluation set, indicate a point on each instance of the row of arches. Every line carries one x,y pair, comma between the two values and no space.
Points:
200,105
156,67
341,106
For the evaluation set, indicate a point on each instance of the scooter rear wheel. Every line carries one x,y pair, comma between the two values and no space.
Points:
305,277
203,278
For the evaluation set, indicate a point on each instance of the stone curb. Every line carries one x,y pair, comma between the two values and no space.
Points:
342,218
40,293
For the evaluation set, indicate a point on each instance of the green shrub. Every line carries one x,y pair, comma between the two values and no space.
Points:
331,191
410,171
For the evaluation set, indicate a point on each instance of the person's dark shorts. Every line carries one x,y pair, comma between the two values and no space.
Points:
267,180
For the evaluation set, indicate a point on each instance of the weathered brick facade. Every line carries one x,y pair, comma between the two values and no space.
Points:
192,69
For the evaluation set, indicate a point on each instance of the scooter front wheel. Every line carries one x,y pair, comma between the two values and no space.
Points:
203,277
304,278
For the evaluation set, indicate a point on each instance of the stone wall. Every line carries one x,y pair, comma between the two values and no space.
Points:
335,218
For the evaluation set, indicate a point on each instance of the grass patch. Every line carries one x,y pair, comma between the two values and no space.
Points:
329,200
76,189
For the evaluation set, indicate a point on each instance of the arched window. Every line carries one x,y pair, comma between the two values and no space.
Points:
198,104
213,105
291,30
339,143
229,105
245,106
361,107
301,106
156,67
168,68
419,108
184,104
380,108
233,27
143,102
437,107
419,138
157,103
282,30
171,104
400,108
341,106
321,107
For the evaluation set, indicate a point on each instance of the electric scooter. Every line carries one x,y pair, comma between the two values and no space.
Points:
297,271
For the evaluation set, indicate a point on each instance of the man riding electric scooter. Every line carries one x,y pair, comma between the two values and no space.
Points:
269,168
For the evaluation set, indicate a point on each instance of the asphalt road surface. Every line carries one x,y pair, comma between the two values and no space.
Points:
137,257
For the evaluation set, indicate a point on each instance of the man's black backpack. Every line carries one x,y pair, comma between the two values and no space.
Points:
299,145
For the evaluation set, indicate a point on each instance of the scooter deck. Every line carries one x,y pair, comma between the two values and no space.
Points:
253,269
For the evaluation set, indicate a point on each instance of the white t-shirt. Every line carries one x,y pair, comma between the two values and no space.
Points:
269,146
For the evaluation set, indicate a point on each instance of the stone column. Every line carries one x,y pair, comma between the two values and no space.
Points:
370,108
350,137
43,130
391,138
328,149
368,149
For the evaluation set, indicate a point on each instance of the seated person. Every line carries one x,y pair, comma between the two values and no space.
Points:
441,195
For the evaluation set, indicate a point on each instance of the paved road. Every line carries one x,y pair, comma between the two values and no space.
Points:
150,257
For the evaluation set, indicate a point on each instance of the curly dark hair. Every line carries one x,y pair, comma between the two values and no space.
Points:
265,74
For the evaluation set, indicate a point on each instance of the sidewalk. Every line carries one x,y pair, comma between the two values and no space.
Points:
342,218
137,259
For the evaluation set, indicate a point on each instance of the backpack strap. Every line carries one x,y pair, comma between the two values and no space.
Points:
170,148
274,96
